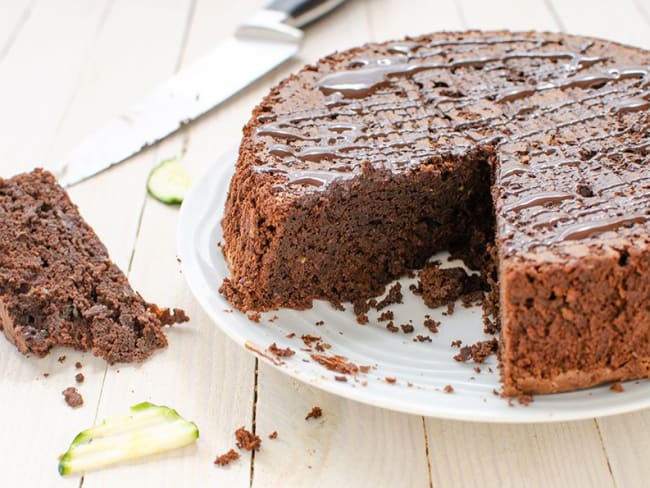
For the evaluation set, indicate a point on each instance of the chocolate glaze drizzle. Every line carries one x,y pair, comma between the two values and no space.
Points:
555,111
537,199
580,231
373,75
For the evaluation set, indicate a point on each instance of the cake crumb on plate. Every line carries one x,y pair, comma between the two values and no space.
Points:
281,353
617,387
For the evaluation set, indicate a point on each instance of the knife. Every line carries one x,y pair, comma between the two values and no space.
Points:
259,44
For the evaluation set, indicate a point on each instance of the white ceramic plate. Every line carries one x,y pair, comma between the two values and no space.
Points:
421,369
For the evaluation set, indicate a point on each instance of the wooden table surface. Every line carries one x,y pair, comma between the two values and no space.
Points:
66,66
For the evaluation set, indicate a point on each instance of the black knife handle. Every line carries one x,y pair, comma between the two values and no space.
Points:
303,12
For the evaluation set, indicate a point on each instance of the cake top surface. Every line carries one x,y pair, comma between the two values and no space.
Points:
565,120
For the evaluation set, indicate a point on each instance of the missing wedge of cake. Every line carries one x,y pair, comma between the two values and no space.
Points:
359,167
58,285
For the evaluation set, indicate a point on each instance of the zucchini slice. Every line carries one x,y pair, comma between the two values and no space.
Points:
168,182
148,429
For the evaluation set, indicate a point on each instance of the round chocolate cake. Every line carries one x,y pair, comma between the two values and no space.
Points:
526,153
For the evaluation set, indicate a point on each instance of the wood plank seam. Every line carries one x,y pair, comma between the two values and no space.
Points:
15,32
99,402
254,421
368,15
426,451
554,13
139,226
605,453
642,10
461,13
189,21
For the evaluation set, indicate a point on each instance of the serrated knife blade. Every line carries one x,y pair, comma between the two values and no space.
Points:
260,44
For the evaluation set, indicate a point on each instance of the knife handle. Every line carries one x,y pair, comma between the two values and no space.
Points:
302,12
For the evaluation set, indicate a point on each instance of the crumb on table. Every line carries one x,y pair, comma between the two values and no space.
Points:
247,440
226,458
72,397
314,413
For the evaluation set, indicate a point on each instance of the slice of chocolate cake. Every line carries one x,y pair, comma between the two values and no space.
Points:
361,166
57,284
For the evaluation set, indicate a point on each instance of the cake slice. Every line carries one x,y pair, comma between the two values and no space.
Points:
58,285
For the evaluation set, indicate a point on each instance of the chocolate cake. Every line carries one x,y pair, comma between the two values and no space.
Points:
359,167
58,285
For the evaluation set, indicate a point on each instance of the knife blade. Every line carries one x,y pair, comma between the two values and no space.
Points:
259,44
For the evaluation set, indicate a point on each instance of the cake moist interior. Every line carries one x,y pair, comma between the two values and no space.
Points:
394,224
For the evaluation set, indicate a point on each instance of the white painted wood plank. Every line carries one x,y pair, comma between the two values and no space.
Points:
39,75
36,423
624,21
207,14
36,401
139,47
352,444
126,62
643,8
465,454
627,443
13,16
390,19
344,28
505,14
